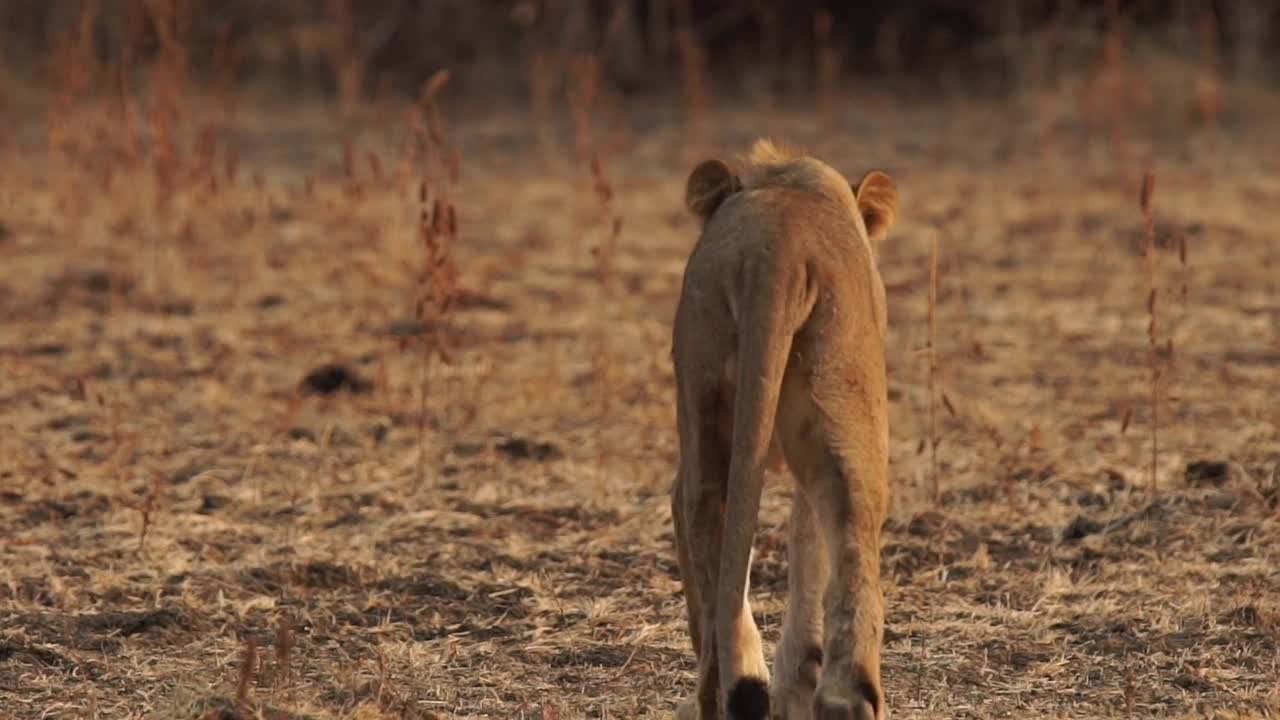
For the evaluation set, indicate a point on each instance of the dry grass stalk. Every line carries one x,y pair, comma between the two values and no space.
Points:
436,282
693,61
586,95
170,21
1117,92
381,662
125,121
226,60
1115,99
1171,360
1208,88
1153,343
934,439
583,94
438,145
348,61
285,639
1128,688
85,53
248,668
147,508
167,78
436,287
122,444
1182,265
828,62
543,63
602,255
75,71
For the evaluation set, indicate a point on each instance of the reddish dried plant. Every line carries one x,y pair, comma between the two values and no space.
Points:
1208,87
74,69
436,283
285,640
1117,92
828,67
348,60
693,61
245,681
603,255
583,94
146,506
935,486
436,287
1155,367
171,21
437,144
226,62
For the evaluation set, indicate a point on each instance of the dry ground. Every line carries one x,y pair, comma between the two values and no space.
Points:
169,497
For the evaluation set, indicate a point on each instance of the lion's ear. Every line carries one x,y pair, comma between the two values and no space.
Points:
878,202
709,184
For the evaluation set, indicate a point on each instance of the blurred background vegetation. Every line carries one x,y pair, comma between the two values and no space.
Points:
492,46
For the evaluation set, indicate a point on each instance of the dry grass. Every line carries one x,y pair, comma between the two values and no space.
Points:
303,557
1154,362
932,357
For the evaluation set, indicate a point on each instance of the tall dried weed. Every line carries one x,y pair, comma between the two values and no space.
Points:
934,438
1155,365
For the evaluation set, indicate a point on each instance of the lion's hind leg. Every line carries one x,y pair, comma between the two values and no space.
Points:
798,657
834,457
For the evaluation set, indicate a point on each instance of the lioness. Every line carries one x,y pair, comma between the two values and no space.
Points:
778,349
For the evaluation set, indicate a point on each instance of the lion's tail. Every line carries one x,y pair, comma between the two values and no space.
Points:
776,301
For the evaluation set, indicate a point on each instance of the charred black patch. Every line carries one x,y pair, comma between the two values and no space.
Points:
1207,473
520,448
329,379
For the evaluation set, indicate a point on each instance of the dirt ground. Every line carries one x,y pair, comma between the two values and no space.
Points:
193,523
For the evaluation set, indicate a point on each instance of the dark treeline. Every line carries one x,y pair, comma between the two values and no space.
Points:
642,44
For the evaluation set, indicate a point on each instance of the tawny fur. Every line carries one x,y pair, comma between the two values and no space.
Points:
778,348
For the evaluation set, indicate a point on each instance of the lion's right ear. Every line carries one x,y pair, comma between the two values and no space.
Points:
877,202
709,184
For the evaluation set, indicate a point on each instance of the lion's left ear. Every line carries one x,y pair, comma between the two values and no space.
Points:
877,202
708,186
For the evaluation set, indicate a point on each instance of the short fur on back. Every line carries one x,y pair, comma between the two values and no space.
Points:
771,163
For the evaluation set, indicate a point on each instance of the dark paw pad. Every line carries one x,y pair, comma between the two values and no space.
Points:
872,695
749,700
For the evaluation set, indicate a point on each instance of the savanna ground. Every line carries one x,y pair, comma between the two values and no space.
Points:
190,527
